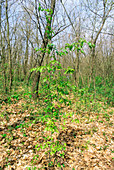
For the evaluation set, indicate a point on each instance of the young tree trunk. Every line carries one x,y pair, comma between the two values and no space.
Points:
4,67
2,53
9,50
26,56
18,65
37,75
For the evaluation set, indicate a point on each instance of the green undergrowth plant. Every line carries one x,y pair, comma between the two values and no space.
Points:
11,98
102,90
56,96
105,90
54,93
86,100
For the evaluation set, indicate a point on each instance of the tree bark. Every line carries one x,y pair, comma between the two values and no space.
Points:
37,75
2,53
9,50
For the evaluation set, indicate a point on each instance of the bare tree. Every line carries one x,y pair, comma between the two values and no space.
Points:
9,49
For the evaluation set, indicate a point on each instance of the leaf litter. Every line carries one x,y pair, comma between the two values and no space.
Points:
89,138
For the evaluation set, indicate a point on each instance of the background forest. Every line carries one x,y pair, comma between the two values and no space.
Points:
56,75
23,27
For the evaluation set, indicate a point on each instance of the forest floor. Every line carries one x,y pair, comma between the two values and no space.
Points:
89,138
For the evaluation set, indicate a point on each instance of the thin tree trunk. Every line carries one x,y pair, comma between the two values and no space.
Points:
4,67
18,66
9,49
37,75
26,56
3,54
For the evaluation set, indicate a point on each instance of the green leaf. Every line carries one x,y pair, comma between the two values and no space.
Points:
69,70
63,165
90,45
48,32
70,47
78,49
51,153
39,8
93,45
77,120
36,145
45,79
59,165
82,51
65,51
4,135
24,135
